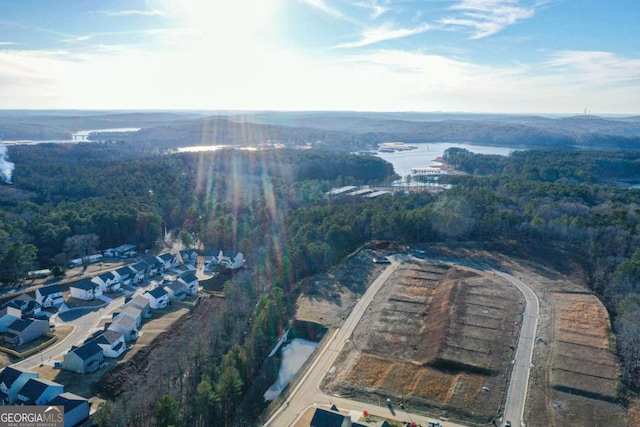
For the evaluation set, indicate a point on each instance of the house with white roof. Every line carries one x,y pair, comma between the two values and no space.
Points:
141,303
131,311
8,315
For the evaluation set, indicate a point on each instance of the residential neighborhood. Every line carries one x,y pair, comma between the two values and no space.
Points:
135,291
24,387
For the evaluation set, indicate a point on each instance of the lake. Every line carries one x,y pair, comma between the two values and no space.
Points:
294,355
427,153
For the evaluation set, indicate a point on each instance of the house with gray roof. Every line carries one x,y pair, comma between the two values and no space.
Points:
333,418
177,291
76,408
191,282
141,303
22,331
108,282
85,290
38,391
8,315
127,275
26,304
168,260
50,296
112,343
154,266
188,257
158,297
12,379
141,269
83,359
126,325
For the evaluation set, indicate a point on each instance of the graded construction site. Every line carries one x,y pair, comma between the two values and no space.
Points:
439,338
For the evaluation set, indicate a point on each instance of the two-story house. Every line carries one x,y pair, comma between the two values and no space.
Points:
50,296
158,298
85,290
12,379
108,282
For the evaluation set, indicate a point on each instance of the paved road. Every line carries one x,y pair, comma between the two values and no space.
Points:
82,327
518,384
307,394
306,390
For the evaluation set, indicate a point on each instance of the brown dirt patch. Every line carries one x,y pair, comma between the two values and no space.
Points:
434,335
328,298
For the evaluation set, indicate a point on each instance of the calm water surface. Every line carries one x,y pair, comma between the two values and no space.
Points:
427,153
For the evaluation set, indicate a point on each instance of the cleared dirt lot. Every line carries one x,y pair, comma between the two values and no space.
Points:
436,335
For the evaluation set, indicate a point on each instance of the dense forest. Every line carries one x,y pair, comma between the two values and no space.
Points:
271,205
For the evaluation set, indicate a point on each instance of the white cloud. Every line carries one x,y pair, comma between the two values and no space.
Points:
8,43
376,9
321,5
598,68
118,13
384,33
487,17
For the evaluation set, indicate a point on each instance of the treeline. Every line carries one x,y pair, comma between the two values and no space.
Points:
128,194
209,373
592,166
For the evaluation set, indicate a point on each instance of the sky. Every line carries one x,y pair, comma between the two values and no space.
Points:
478,56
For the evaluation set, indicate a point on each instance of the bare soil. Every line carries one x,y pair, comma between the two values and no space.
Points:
436,335
433,337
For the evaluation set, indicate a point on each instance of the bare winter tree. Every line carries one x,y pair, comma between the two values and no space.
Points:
81,246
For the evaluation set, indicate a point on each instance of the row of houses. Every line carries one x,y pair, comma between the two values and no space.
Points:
23,387
125,324
112,341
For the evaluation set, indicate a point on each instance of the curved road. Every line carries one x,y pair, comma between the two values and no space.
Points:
307,394
518,384
82,326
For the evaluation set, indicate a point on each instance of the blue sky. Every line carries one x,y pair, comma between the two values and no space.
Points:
507,56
